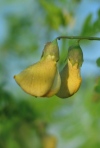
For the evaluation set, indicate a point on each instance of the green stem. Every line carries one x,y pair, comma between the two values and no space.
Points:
78,37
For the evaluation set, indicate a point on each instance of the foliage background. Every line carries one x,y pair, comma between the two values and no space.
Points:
25,26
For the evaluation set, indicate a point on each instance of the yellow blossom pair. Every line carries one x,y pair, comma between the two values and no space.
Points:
42,79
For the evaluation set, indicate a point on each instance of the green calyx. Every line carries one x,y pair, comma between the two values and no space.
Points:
75,55
52,49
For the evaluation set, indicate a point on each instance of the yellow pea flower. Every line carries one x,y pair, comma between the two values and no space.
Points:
70,74
42,78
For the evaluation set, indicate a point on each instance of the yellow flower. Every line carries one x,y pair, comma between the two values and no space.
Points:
70,74
42,79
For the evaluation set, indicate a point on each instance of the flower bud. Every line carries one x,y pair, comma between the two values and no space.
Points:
75,55
52,49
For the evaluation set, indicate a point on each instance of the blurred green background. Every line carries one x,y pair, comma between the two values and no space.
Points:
29,122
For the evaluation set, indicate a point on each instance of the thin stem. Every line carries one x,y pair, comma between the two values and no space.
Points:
78,37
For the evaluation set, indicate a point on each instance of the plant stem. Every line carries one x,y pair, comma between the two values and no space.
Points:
78,37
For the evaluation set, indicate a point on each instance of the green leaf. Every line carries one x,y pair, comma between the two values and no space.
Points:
90,26
98,62
54,15
87,26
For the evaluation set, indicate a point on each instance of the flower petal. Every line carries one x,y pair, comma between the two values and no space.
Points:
37,79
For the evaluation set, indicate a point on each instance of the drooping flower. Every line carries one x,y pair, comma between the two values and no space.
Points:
42,79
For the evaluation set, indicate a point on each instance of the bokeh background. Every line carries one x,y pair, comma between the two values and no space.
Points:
29,122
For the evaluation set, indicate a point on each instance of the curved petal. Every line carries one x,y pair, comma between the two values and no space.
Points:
37,79
70,80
